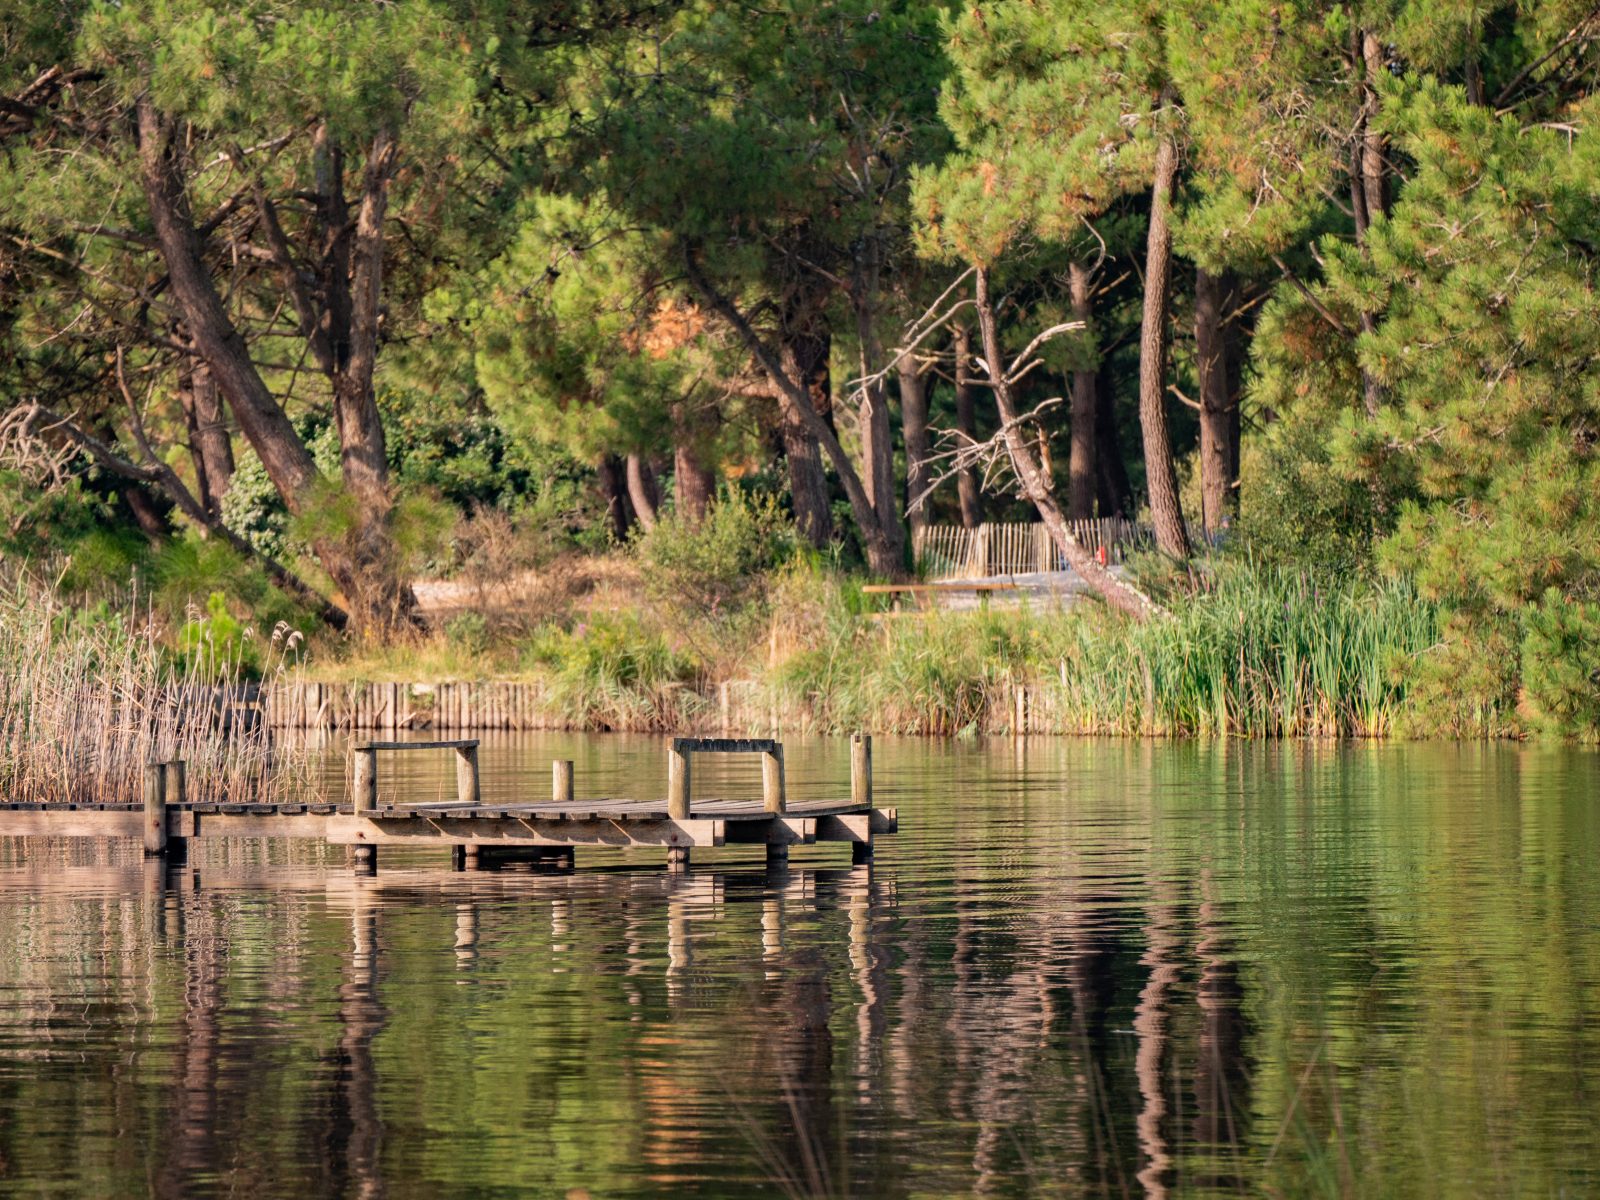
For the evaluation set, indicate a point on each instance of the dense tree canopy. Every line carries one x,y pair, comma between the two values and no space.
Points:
1311,279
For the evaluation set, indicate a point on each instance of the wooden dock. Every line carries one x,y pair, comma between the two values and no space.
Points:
166,821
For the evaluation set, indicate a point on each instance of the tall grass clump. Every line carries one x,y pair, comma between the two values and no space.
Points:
89,696
1262,652
613,672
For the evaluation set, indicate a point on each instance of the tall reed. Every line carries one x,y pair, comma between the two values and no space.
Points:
1262,653
88,697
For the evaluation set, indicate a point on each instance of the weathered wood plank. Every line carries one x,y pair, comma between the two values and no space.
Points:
458,744
528,831
712,745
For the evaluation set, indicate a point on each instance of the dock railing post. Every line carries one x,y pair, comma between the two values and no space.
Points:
177,784
561,789
679,784
773,797
364,782
861,769
155,808
467,790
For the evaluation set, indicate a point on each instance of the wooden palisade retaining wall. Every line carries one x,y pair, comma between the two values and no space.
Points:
736,707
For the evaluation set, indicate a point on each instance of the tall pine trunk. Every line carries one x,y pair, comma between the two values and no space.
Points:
805,360
1214,299
914,428
1081,482
210,447
1111,472
1166,510
694,484
967,489
642,490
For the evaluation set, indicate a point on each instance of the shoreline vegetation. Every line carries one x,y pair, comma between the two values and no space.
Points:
1259,654
455,347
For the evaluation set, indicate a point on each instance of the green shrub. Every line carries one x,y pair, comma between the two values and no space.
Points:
714,568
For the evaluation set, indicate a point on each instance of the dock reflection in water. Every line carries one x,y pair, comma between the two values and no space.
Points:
1082,969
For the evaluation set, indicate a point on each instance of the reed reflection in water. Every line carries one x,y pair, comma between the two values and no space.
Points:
1082,968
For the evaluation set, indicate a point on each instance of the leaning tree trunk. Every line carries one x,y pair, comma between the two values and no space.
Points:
914,427
1166,509
1035,484
1213,299
1081,485
284,457
967,489
882,552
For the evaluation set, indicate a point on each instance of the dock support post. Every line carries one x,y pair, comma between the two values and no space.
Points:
561,790
364,783
678,787
773,798
365,859
177,793
677,858
861,770
467,775
471,859
155,809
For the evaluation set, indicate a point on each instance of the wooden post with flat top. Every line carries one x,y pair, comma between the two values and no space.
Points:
561,789
773,799
861,769
467,790
155,809
679,783
364,781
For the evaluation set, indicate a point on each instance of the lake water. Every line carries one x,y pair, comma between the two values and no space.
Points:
1081,968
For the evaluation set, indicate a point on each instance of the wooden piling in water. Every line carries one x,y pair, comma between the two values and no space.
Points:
861,769
678,787
773,798
467,789
155,809
561,789
364,783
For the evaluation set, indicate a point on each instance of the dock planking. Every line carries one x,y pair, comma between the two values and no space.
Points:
166,820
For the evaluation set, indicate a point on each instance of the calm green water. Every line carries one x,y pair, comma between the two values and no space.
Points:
1081,968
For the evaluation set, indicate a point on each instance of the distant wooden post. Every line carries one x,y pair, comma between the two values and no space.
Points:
773,798
155,809
177,782
679,785
561,789
364,784
861,770
467,774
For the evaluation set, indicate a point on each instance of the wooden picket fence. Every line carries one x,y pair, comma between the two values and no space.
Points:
1015,547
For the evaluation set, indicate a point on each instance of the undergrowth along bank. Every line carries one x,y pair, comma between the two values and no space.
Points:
1254,653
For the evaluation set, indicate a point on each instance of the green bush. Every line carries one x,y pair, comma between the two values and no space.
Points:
713,568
